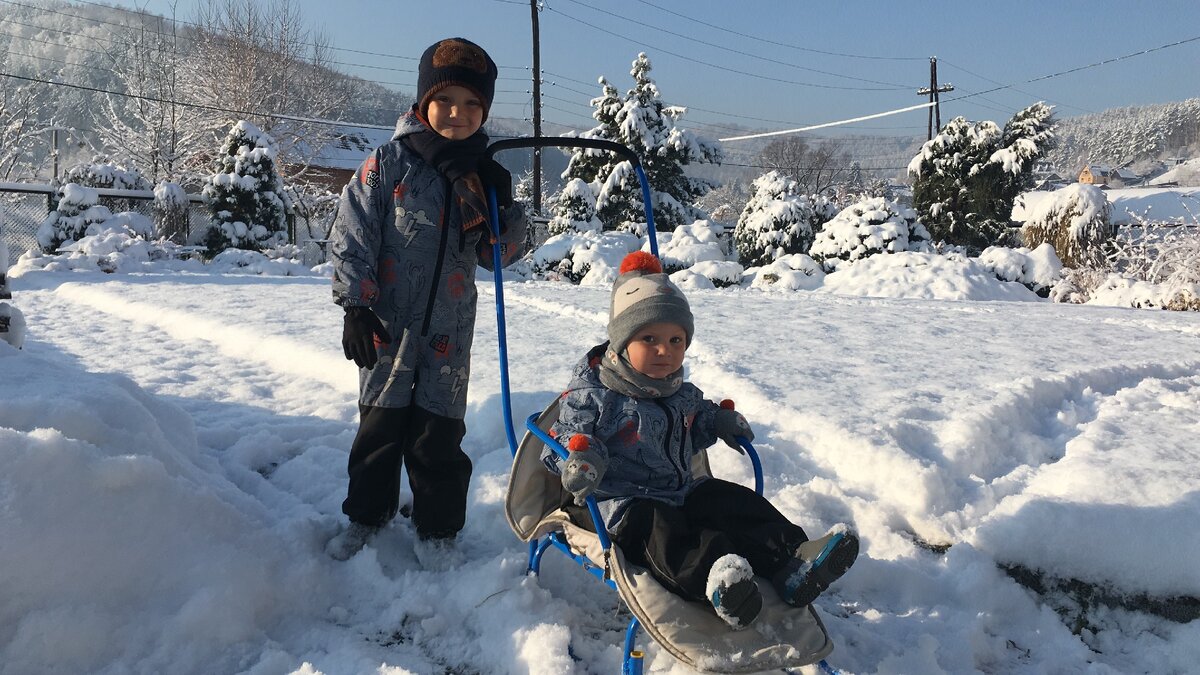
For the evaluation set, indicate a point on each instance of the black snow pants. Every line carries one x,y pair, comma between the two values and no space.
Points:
429,447
679,544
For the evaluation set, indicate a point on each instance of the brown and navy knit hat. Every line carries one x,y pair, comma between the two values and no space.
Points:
643,295
456,61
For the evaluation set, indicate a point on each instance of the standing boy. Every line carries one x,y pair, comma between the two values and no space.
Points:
411,228
632,425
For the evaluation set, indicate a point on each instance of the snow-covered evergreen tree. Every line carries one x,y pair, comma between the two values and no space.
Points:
967,177
588,164
1076,221
575,209
78,209
245,195
874,225
642,122
777,220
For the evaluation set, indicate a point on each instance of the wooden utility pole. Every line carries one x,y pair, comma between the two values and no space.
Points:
932,91
537,109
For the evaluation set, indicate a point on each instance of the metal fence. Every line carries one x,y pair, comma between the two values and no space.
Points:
23,208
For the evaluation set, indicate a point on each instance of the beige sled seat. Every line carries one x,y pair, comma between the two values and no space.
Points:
782,637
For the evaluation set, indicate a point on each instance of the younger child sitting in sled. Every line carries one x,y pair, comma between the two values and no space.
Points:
632,425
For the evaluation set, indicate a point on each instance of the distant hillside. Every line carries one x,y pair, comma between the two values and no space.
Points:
1121,136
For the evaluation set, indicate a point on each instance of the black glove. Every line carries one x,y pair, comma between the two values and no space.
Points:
492,173
359,333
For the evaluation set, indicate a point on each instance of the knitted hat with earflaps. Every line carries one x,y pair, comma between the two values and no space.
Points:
643,295
455,61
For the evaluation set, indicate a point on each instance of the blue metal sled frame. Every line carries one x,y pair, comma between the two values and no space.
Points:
632,661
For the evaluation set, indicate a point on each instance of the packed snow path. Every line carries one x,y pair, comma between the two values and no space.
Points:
1052,437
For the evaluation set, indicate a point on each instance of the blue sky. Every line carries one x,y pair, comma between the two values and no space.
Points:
785,64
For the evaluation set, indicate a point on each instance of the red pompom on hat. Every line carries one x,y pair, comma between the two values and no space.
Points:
578,443
641,261
727,404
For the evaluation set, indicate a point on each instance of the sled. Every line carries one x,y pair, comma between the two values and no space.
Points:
781,637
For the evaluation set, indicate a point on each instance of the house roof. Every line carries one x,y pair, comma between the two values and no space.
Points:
348,148
1109,172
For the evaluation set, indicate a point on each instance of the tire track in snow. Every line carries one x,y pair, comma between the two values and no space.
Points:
1000,449
279,353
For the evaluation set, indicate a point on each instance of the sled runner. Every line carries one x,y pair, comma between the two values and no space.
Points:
782,636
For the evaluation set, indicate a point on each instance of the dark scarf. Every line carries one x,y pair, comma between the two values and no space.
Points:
618,374
463,163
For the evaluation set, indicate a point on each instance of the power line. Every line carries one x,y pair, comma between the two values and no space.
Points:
1019,91
734,51
830,124
1081,68
713,65
782,44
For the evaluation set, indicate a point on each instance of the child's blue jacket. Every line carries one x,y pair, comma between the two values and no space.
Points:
648,442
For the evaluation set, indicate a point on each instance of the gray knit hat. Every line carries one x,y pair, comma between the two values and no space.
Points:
642,295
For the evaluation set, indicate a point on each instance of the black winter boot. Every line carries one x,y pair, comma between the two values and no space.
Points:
817,564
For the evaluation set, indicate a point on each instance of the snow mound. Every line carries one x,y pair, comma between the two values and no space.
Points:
133,498
922,275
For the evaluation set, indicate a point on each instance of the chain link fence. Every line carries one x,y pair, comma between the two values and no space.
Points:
23,208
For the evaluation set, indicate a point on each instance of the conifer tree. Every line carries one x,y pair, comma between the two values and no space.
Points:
967,178
644,123
245,194
777,220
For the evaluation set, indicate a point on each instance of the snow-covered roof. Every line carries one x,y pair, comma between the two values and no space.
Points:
1109,172
349,148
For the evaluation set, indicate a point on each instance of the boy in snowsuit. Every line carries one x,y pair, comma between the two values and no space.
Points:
411,228
632,425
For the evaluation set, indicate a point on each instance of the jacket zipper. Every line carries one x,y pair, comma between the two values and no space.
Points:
437,268
671,432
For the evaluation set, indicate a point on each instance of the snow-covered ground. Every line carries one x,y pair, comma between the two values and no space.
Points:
173,447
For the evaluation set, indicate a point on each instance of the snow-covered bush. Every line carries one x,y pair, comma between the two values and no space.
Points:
777,220
1120,291
915,274
688,245
1038,270
170,210
106,174
245,194
796,272
583,257
1157,253
1076,221
115,249
575,209
871,226
78,209
710,274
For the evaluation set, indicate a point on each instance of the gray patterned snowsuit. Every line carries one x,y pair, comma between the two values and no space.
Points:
398,248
